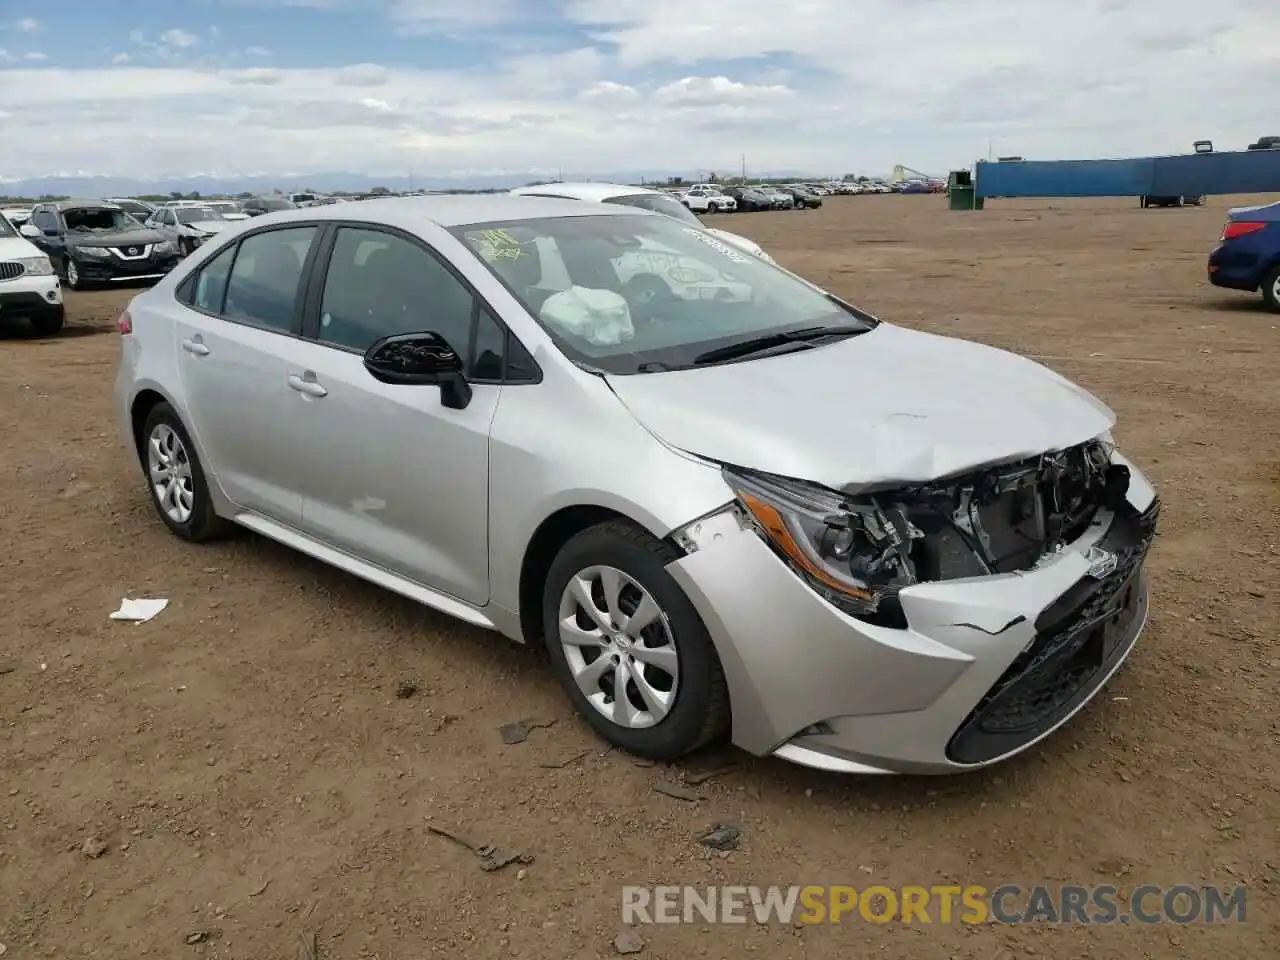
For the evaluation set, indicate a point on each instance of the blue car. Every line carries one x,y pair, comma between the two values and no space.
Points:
1247,256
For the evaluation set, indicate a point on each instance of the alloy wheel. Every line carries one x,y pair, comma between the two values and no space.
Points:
619,647
169,469
73,273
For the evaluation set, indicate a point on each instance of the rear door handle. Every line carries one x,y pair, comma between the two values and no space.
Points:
196,347
308,386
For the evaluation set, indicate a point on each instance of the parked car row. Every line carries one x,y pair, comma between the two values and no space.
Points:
725,198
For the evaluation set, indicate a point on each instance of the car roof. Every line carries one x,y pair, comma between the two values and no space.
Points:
63,205
585,190
452,211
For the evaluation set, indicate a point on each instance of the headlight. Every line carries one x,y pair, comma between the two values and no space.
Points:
166,246
97,252
37,266
854,553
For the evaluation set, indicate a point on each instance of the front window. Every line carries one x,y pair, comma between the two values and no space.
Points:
658,203
638,294
6,228
98,220
197,214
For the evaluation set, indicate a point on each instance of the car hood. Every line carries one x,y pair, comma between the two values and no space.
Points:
18,248
207,226
115,238
742,243
892,406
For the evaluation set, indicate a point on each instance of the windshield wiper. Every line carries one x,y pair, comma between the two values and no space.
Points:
768,341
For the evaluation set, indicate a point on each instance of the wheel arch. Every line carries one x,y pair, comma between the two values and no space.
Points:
546,542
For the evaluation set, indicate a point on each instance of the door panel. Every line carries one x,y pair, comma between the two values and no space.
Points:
234,374
234,380
395,477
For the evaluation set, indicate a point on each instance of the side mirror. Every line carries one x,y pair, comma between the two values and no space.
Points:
420,359
30,230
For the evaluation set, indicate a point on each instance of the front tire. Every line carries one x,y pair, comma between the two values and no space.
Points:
1271,290
628,646
175,477
74,280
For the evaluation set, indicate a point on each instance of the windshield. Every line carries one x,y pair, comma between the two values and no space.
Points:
636,294
272,204
98,220
658,203
196,214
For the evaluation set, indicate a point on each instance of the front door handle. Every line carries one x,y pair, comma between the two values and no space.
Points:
196,347
306,385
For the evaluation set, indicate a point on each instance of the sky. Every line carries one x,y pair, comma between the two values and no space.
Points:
157,88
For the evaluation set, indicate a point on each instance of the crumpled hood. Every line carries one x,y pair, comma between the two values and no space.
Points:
208,226
891,406
114,238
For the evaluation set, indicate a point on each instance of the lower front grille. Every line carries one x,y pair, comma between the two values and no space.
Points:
1079,640
11,271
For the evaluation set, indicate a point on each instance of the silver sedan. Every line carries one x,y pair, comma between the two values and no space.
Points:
775,518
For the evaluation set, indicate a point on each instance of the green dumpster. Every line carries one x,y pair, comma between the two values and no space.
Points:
960,191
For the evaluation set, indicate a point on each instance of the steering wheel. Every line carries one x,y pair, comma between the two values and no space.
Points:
647,294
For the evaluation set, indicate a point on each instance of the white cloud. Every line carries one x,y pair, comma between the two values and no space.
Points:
607,90
257,52
711,90
35,56
28,24
833,88
261,76
362,75
179,39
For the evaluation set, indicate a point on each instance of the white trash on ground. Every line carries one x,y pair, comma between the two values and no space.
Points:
139,611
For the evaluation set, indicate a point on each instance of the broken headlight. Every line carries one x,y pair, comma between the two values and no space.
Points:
853,552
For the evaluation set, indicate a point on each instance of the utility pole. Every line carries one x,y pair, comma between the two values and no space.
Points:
744,168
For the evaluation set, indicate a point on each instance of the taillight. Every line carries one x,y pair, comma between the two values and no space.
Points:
1240,228
125,324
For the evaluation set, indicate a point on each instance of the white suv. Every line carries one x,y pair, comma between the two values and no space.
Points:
28,286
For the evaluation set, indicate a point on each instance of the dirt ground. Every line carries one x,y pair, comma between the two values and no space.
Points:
263,791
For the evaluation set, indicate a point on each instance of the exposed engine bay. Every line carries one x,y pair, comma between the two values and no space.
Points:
994,521
860,551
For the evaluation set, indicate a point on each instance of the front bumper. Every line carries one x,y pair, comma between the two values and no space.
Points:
113,270
37,296
986,668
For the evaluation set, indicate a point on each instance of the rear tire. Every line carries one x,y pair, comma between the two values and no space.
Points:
1271,290
175,477
670,658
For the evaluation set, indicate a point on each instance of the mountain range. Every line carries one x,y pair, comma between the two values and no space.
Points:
325,182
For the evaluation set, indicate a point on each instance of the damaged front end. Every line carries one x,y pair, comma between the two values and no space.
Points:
859,551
